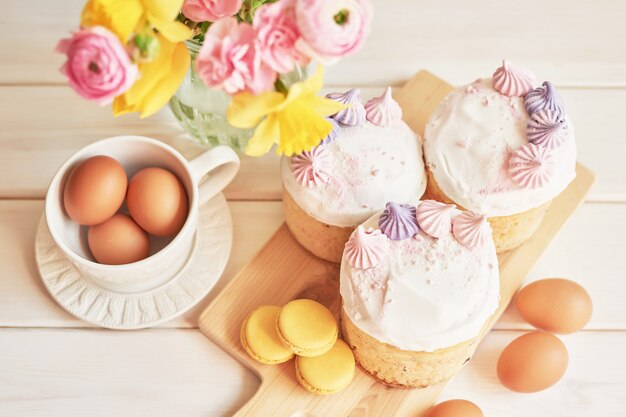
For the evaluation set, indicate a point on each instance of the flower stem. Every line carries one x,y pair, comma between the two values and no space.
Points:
280,86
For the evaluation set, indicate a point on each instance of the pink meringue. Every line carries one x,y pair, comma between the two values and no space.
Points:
471,229
531,166
547,128
312,168
366,248
435,218
383,110
512,81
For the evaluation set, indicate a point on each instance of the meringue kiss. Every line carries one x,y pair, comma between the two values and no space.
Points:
354,114
531,166
435,218
544,98
398,221
366,248
471,229
312,168
383,110
547,128
512,81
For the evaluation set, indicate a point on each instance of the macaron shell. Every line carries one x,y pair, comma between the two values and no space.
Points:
307,327
328,373
259,339
306,352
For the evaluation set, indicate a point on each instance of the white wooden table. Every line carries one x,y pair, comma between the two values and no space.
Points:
52,364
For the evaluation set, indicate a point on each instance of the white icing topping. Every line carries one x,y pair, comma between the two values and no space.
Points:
468,142
426,294
372,166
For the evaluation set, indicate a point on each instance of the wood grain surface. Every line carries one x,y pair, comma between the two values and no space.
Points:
53,364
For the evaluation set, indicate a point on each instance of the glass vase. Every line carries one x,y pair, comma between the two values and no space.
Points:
201,110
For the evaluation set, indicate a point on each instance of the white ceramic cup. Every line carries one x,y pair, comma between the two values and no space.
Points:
203,178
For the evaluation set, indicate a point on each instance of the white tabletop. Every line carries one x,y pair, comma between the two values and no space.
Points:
52,364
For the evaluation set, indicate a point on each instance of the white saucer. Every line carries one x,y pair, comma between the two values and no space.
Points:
124,309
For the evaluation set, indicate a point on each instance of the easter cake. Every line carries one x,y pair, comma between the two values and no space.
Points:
502,147
418,285
370,157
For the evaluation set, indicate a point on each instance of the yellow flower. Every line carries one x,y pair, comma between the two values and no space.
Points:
295,122
159,80
160,77
123,17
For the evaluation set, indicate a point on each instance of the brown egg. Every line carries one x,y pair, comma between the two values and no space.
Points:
555,305
118,241
94,190
455,408
532,362
157,201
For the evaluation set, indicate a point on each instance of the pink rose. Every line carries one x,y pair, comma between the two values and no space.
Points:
332,29
98,67
210,10
228,59
277,34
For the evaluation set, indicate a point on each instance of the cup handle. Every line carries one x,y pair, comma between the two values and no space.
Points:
213,170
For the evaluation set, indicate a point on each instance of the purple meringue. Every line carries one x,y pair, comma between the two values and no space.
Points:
353,115
547,128
398,221
544,98
333,133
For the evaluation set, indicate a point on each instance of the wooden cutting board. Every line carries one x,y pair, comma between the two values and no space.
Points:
283,271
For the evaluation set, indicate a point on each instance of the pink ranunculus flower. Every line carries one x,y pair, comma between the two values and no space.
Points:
332,29
210,10
98,66
228,59
277,33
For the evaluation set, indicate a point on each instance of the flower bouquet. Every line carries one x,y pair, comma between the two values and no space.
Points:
233,71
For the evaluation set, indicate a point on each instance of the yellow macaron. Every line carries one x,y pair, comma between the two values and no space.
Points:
306,327
329,373
259,338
